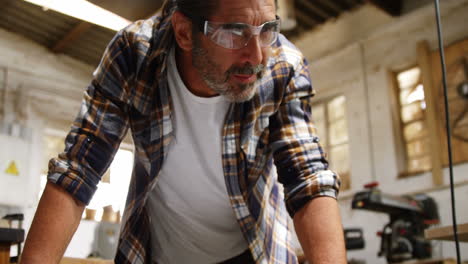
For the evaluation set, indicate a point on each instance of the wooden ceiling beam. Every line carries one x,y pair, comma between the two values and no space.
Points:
130,9
331,5
351,3
153,13
392,7
310,21
314,8
71,36
344,4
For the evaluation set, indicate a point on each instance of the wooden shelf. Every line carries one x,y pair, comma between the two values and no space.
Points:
446,233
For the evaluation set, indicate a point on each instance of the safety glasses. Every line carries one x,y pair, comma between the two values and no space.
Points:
237,35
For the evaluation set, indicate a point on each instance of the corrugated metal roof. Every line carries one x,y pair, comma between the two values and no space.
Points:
31,21
50,28
311,13
90,46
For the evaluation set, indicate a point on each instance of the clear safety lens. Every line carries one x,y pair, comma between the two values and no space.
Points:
237,35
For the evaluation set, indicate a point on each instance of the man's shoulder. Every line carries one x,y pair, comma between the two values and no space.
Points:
285,52
142,31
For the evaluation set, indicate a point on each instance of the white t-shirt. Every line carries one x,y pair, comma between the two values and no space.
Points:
192,219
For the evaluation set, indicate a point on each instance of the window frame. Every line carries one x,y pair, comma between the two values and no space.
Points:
323,102
403,158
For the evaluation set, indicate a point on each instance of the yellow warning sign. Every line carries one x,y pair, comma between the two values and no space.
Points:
12,169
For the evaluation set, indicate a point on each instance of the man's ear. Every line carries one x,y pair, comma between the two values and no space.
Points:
182,26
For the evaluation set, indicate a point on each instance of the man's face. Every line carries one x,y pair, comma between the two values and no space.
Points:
234,73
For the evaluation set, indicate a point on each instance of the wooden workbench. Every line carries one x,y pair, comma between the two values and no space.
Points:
66,260
429,261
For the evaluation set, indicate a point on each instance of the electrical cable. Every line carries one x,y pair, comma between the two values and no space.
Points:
368,110
447,126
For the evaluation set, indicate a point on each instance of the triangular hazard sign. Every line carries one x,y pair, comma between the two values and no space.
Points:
12,169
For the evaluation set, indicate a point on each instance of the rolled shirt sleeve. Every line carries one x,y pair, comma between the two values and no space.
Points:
99,127
300,160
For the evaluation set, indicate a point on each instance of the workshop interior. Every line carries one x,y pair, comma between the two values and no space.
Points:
380,111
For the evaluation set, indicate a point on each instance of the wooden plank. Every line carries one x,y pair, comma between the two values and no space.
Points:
394,95
4,253
446,233
429,261
71,36
453,53
66,260
157,12
433,124
131,10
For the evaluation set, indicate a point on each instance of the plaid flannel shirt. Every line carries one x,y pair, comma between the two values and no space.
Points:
130,90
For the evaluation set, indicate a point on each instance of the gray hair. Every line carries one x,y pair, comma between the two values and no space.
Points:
192,8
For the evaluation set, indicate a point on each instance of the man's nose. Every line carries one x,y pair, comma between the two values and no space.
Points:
253,52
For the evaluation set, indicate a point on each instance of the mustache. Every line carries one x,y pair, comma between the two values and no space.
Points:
247,69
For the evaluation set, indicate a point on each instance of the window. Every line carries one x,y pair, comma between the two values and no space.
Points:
330,120
112,194
413,125
420,118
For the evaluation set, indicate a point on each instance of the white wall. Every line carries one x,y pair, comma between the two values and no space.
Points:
46,82
352,56
47,89
43,94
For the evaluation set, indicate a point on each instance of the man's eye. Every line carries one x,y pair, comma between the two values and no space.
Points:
238,27
270,27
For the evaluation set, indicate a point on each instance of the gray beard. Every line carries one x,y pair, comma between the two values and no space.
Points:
207,70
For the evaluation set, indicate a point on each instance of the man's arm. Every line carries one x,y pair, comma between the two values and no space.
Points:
90,146
56,220
310,187
318,227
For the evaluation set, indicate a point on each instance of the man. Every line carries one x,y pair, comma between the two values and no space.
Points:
212,94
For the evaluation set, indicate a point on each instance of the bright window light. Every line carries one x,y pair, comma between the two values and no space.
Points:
416,95
120,175
86,11
115,192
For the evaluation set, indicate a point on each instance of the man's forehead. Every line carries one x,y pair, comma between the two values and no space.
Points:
246,11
